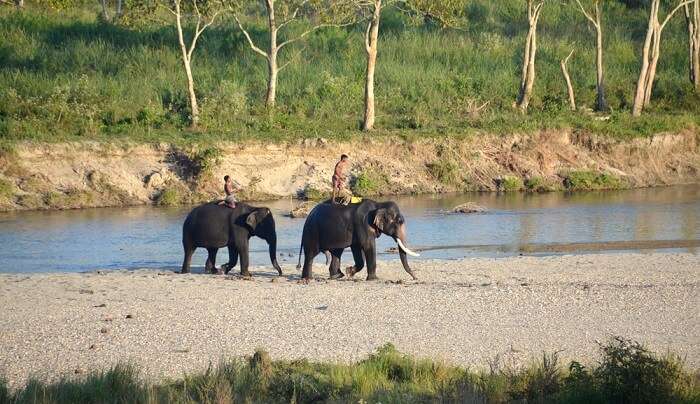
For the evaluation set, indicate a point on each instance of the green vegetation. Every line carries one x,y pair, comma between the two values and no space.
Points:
369,182
511,184
445,170
69,75
7,189
170,196
590,180
314,194
537,184
627,373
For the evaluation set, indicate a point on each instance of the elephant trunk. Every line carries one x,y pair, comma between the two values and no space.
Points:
403,250
273,255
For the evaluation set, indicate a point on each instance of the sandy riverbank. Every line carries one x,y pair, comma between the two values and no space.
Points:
465,312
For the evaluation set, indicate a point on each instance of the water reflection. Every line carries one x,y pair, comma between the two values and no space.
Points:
150,237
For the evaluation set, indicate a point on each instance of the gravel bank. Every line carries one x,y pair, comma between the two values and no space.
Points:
465,312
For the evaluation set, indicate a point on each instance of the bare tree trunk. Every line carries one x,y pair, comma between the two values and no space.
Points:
569,87
187,62
528,73
692,18
650,55
271,96
105,10
371,37
19,3
601,103
119,9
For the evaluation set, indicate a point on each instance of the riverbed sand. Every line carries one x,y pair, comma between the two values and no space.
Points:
465,312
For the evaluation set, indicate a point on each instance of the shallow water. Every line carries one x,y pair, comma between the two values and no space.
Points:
553,223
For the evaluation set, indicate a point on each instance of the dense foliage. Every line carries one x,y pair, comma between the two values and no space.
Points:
68,74
626,373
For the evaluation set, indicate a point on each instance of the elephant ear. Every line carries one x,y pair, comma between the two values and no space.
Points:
381,219
256,217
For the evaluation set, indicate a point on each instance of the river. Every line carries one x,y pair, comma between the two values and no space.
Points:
550,223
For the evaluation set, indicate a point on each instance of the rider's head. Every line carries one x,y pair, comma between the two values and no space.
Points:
226,177
344,157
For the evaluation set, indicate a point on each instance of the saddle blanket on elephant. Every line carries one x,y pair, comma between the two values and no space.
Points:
356,199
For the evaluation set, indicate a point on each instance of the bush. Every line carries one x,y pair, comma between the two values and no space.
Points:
537,184
511,184
445,170
314,194
170,196
589,180
368,182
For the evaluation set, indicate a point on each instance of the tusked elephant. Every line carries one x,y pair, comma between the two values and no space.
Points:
213,226
332,227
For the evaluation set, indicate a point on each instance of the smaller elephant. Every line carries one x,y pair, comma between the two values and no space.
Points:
213,226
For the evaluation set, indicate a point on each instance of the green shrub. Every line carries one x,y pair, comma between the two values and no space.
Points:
204,161
7,189
445,170
314,194
590,180
170,196
537,184
511,184
369,182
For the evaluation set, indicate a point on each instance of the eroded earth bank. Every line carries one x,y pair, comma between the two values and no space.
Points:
74,175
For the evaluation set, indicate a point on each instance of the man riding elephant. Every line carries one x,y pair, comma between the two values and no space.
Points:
332,227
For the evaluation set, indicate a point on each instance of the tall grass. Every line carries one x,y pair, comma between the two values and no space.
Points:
68,75
627,373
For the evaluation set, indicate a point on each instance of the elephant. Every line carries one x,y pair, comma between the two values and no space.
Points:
334,227
213,226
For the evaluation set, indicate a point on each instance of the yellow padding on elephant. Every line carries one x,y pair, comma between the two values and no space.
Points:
356,199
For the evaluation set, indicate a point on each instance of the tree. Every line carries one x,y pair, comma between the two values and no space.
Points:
445,12
527,80
104,4
328,13
650,55
567,79
202,12
601,103
692,18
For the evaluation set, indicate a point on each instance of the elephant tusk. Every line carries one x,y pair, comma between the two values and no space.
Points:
406,249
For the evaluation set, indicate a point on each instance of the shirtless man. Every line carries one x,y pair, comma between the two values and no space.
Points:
229,189
340,189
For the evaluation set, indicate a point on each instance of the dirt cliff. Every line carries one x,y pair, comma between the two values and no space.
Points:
75,175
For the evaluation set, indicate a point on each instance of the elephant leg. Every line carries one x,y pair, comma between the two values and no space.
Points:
232,258
371,257
243,253
334,268
309,255
359,261
189,250
210,266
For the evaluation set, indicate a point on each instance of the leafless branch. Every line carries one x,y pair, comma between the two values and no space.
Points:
250,40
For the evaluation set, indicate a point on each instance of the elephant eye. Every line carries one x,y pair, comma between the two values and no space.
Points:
400,219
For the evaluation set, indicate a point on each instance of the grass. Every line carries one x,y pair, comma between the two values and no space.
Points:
369,182
627,372
70,76
591,180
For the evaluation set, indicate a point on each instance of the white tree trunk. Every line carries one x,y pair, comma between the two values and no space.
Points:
528,73
692,17
650,55
119,8
19,3
105,10
272,68
601,103
187,62
567,78
371,37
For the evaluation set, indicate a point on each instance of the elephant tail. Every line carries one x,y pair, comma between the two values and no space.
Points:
301,247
